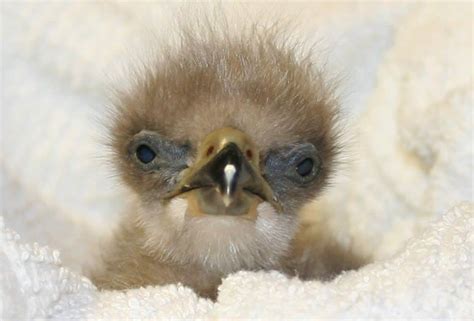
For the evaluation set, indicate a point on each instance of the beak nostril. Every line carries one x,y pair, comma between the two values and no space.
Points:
249,154
210,150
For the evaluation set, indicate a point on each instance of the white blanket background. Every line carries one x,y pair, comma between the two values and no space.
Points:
404,199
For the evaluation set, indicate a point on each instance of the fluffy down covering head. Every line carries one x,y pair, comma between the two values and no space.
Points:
257,81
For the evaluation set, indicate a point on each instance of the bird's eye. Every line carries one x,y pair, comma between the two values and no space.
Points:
300,163
145,154
305,167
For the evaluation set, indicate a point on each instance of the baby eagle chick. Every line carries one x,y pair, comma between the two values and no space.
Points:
221,142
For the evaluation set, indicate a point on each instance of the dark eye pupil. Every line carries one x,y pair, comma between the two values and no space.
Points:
145,154
305,167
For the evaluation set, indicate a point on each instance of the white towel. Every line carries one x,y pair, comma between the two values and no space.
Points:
430,278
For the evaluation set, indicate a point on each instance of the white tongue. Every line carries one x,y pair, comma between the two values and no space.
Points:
229,173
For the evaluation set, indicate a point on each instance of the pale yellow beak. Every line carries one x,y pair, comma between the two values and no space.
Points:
226,178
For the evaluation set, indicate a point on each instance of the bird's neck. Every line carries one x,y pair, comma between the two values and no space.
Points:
220,244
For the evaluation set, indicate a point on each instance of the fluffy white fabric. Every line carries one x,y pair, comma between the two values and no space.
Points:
430,278
407,90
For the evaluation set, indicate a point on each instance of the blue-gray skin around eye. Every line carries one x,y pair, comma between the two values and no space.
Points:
169,157
280,170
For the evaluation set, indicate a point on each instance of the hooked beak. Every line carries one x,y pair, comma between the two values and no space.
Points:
226,178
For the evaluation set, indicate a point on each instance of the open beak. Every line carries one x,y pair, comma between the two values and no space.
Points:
226,178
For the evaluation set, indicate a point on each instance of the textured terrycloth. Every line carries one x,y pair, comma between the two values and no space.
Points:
407,88
430,278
